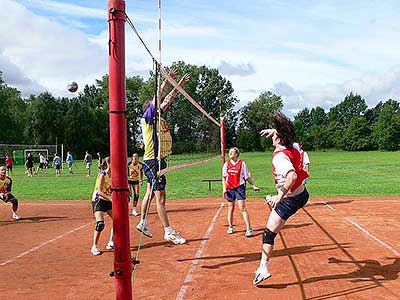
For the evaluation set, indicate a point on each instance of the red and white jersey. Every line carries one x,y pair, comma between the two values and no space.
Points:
235,173
285,160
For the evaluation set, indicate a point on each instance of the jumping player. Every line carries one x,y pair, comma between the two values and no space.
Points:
235,174
287,168
5,192
101,204
135,172
150,161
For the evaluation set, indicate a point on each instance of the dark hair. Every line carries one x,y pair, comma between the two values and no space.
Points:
146,104
284,129
105,163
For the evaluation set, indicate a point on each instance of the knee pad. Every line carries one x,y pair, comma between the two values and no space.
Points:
100,226
136,197
268,236
14,202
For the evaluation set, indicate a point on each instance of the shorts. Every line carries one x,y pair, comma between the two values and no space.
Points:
41,165
58,167
238,193
11,198
150,168
88,165
101,205
133,182
289,206
9,168
29,165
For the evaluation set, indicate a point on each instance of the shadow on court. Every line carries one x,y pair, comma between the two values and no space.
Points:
36,219
251,257
334,202
369,271
181,210
164,244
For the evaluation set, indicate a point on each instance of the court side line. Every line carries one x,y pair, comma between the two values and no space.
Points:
199,253
330,206
43,244
366,232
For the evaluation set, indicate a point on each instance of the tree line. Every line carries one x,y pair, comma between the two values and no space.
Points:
81,123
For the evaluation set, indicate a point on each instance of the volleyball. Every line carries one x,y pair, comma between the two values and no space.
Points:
72,87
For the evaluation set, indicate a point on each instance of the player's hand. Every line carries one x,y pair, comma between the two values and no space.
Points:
184,79
141,182
267,132
256,188
272,200
173,73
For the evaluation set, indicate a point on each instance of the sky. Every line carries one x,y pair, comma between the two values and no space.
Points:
310,52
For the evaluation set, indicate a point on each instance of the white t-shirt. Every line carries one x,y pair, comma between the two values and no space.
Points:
42,159
244,172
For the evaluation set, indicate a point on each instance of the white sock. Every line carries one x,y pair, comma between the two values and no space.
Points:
263,263
143,222
168,230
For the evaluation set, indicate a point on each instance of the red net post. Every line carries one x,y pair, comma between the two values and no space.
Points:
118,149
222,125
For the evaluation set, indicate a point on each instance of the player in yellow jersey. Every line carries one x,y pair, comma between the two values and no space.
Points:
135,177
101,204
156,184
5,192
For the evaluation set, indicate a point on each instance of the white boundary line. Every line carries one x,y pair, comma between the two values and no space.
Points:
366,232
330,206
199,253
43,244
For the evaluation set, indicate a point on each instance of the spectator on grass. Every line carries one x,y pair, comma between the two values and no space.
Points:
88,161
69,160
57,164
155,183
235,174
287,168
99,160
101,205
5,192
29,164
135,177
9,165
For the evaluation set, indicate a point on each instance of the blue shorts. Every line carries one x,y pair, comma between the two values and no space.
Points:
238,193
289,206
150,168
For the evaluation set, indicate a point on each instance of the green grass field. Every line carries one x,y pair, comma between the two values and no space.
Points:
332,174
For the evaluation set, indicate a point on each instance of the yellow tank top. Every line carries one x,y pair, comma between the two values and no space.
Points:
134,171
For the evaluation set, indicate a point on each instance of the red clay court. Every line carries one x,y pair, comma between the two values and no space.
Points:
341,248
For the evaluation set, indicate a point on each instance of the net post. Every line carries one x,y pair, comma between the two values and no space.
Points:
222,126
118,149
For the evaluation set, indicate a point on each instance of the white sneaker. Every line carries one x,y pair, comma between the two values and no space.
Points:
95,250
144,229
135,212
230,230
110,245
174,237
261,274
249,232
15,216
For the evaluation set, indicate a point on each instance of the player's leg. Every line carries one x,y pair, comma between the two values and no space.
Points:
231,210
142,226
246,217
100,224
14,202
135,199
110,244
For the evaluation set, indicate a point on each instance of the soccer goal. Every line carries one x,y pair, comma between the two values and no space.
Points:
19,152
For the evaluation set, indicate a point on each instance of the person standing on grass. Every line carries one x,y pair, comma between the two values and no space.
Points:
156,184
289,175
9,165
29,164
235,174
57,164
135,177
69,160
42,164
5,192
88,161
101,205
99,161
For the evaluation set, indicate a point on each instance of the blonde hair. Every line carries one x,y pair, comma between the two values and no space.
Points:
236,150
106,162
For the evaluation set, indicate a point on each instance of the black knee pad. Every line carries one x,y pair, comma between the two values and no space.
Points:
268,237
136,197
100,226
14,202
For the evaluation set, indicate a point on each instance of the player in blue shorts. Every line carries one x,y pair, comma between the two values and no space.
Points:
289,175
101,205
5,192
235,174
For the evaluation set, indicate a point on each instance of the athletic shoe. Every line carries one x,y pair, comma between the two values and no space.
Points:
230,230
174,237
95,250
144,229
135,212
16,216
110,245
249,232
261,274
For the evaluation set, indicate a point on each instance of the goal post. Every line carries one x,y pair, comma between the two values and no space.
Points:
19,151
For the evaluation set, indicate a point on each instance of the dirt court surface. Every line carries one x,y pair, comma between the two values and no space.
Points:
336,248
